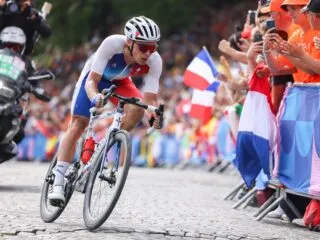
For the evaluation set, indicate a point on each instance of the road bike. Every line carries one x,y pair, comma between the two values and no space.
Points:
106,170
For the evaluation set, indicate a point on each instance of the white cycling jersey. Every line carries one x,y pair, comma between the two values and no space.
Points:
108,61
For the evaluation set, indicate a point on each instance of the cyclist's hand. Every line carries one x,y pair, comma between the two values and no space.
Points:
158,122
97,100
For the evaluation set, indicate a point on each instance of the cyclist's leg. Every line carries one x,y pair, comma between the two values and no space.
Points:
79,120
133,114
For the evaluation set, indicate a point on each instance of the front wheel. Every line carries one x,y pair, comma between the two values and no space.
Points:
107,180
48,212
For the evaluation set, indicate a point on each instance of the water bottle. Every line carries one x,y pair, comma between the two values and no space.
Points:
88,149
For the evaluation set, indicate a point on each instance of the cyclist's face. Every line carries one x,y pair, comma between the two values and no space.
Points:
142,51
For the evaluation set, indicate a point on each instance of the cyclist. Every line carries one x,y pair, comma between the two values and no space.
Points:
117,59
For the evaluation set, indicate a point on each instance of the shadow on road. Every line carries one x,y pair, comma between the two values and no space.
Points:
20,188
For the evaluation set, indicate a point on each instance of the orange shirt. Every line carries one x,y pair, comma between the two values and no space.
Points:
292,29
281,58
306,40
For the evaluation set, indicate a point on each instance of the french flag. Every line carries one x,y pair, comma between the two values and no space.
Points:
201,105
201,73
257,131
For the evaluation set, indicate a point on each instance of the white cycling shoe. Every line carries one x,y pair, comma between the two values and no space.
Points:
56,196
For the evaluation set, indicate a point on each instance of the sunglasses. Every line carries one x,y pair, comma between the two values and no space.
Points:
147,47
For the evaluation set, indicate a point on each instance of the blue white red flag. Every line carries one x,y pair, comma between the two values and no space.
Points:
201,105
257,131
201,73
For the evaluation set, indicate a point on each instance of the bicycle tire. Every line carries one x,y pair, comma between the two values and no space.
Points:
46,215
91,223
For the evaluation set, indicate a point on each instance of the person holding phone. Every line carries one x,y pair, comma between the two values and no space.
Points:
311,57
286,63
283,25
300,43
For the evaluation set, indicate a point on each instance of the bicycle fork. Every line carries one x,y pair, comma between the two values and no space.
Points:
115,126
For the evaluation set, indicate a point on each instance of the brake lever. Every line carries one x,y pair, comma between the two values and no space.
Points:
159,113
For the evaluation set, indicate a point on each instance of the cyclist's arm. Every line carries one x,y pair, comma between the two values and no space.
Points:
151,80
91,85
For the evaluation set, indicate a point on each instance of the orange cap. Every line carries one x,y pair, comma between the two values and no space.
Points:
274,6
293,3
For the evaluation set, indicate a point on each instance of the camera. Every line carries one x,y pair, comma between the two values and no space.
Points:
13,7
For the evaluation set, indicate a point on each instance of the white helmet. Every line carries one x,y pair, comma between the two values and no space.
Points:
142,29
13,35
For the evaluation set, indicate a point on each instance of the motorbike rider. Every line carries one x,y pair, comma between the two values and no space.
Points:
12,38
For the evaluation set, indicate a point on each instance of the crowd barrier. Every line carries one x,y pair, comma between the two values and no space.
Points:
169,147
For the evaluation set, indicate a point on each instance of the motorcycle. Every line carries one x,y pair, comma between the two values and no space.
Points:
14,85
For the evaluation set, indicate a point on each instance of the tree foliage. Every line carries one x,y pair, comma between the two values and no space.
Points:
73,22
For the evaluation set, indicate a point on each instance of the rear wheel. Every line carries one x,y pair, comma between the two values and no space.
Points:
106,182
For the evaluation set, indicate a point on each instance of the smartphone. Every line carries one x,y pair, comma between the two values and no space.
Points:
257,37
252,17
263,2
271,24
283,34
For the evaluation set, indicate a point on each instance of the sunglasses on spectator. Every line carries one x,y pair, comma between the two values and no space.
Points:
147,47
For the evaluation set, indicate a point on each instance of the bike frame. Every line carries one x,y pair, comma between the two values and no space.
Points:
115,126
117,115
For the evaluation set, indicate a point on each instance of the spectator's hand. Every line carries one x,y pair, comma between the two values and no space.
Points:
263,71
2,3
224,46
271,41
317,42
224,62
254,50
292,50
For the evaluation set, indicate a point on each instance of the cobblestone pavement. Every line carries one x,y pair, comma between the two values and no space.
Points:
155,204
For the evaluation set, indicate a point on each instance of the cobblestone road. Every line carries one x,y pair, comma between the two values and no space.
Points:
155,204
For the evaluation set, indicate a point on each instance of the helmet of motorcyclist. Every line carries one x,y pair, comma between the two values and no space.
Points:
142,29
13,38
